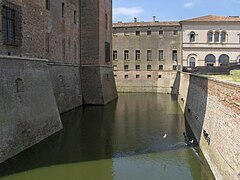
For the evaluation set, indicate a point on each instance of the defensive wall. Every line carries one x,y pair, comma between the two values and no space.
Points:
212,109
147,81
28,109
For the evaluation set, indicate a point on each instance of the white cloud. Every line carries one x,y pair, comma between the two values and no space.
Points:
188,4
133,11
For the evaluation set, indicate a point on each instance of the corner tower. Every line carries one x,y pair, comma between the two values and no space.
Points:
98,83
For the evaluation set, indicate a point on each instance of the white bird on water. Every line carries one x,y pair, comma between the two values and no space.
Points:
164,136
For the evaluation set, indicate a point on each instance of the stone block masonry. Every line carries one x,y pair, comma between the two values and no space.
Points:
66,82
212,108
147,81
28,110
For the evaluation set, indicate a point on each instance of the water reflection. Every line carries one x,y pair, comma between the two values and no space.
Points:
132,125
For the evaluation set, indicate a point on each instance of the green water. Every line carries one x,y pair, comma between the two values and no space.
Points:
120,141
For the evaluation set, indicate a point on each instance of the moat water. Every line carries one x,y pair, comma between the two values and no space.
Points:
137,137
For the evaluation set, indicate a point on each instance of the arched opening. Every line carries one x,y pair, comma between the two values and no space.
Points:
216,36
210,60
192,62
223,36
210,36
192,36
19,85
224,60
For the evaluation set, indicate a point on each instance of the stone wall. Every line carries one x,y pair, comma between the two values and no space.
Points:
28,110
212,108
147,81
66,85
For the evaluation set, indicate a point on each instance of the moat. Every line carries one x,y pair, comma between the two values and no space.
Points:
139,136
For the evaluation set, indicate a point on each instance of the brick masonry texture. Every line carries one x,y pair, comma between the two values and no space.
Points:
68,40
28,111
214,106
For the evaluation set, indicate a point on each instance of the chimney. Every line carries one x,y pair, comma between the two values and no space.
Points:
154,18
135,20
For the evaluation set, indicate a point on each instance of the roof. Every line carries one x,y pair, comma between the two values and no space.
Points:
147,24
213,18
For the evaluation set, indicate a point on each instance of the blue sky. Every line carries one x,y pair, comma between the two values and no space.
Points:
144,10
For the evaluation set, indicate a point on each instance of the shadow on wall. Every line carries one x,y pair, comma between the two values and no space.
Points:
176,85
70,145
196,104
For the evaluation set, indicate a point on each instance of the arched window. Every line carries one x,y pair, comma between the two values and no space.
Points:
210,60
223,36
192,36
216,36
210,36
19,85
224,59
192,62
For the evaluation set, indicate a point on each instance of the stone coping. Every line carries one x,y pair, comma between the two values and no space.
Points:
22,58
231,83
106,66
61,64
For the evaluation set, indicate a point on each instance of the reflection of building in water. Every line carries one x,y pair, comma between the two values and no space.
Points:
54,56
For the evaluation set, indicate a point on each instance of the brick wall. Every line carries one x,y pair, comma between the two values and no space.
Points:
212,108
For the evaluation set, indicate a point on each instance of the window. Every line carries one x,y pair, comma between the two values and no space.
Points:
149,76
11,27
75,17
216,36
63,48
223,37
114,67
107,52
174,55
160,67
149,67
115,54
160,55
224,60
210,36
137,33
175,67
149,33
175,32
19,85
137,55
47,43
210,60
159,76
126,76
48,4
161,32
149,55
63,9
137,67
138,76
192,36
126,55
125,67
106,21
75,51
192,62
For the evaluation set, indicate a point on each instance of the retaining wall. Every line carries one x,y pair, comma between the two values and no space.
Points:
28,110
66,82
212,108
